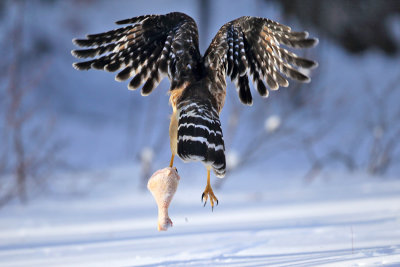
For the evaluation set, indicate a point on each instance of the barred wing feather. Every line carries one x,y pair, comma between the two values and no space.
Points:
152,47
251,46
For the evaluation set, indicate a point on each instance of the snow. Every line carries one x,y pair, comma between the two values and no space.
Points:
341,220
232,159
147,154
272,123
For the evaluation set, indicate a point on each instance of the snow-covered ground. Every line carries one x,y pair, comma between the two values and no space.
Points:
262,220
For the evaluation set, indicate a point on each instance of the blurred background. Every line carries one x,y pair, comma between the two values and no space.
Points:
56,122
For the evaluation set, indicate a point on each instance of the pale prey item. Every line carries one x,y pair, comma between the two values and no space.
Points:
163,184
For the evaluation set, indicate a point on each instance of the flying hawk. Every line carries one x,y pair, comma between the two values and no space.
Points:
151,47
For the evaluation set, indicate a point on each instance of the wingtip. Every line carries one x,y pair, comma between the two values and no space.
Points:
144,93
123,21
75,41
307,80
75,54
79,42
316,41
75,66
315,65
285,84
85,65
131,88
274,88
266,95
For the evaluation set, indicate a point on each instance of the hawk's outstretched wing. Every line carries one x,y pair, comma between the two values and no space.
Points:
251,45
152,47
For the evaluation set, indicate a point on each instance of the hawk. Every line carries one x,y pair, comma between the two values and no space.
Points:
151,47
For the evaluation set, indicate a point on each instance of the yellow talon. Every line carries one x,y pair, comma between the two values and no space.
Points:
208,193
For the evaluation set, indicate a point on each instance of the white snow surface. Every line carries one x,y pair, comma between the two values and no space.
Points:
263,219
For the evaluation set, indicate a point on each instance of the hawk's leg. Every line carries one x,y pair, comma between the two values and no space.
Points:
173,136
171,163
208,192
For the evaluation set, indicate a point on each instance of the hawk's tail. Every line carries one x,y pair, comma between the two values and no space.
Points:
200,135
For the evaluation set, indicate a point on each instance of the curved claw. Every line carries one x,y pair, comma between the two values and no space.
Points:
208,193
204,198
212,206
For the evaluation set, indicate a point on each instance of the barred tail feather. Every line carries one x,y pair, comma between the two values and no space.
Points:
200,136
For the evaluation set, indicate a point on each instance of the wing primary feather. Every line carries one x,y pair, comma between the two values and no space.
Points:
93,52
145,69
109,34
262,89
255,71
271,24
297,61
133,20
107,37
271,82
298,43
275,54
125,74
86,65
134,54
136,81
151,82
244,90
152,74
267,63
